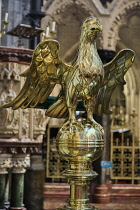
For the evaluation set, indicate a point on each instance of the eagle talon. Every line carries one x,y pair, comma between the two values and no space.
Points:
95,125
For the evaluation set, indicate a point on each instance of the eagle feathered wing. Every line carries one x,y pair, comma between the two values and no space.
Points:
46,70
114,75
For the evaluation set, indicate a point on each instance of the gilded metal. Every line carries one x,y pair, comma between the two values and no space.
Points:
5,23
79,144
124,148
86,80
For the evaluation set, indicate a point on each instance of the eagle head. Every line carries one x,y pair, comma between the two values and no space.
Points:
91,28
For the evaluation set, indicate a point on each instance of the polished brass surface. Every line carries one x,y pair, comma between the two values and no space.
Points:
79,144
5,23
86,80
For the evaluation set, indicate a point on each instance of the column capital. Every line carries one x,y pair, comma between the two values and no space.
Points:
5,163
19,163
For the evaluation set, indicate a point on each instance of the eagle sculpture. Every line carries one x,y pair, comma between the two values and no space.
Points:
87,80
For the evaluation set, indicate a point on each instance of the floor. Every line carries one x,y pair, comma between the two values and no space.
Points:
123,197
111,206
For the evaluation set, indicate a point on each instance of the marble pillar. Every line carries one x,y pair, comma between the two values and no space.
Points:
20,162
34,189
2,187
21,131
5,163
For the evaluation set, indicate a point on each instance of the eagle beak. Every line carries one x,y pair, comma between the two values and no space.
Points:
99,28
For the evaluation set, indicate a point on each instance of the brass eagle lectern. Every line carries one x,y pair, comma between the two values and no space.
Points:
87,80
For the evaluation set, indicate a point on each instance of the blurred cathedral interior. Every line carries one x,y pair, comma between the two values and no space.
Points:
30,167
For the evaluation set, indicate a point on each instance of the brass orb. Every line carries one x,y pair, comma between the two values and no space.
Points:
82,141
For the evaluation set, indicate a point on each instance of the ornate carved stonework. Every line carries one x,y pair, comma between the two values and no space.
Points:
56,8
124,10
40,121
5,163
39,118
9,118
25,123
9,70
19,161
16,161
20,124
17,55
16,153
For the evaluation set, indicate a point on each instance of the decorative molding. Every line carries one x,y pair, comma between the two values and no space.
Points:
20,162
17,55
5,163
25,123
119,18
100,41
23,146
61,5
16,123
9,71
39,119
56,8
98,5
9,118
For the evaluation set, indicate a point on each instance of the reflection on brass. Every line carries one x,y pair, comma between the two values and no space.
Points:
124,147
86,80
79,144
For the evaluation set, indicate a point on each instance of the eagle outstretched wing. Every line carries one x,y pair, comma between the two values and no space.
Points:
46,70
114,75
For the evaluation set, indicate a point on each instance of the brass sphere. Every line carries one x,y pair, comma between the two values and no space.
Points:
83,141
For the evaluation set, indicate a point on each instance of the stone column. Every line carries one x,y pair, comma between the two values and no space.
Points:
7,187
5,163
20,130
34,190
20,162
102,194
3,173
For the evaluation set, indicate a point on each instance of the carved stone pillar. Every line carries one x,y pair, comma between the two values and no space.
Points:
7,188
20,162
5,163
34,190
20,130
2,187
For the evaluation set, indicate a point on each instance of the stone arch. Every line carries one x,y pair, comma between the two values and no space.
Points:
56,8
119,19
77,11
